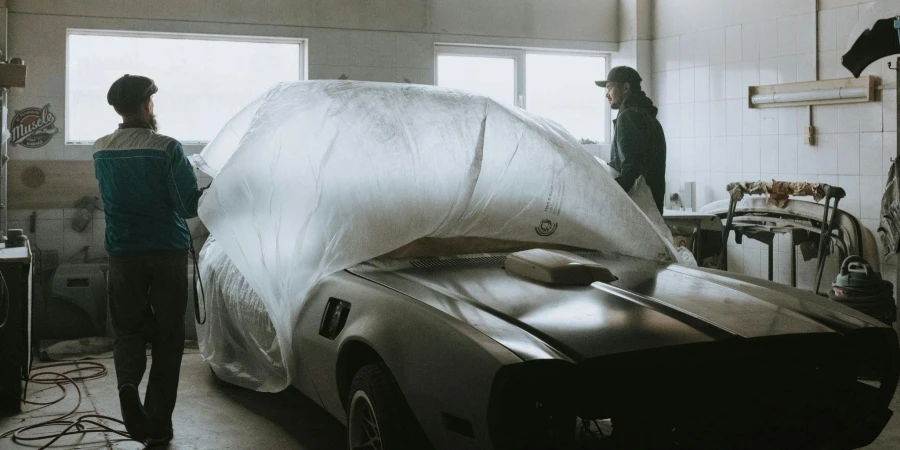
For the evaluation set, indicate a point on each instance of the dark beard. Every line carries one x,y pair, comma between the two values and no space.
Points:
152,122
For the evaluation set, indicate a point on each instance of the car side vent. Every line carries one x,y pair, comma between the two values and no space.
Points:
458,425
334,318
458,262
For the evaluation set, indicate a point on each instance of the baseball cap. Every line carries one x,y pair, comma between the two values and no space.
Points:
621,74
130,90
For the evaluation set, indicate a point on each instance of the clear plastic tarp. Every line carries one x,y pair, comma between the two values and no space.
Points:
318,176
238,337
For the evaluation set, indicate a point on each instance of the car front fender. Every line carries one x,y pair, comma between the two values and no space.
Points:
444,367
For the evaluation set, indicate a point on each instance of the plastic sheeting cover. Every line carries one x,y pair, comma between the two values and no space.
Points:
238,338
315,177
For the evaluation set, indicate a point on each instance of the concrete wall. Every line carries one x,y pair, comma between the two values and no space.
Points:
706,53
635,22
589,20
376,40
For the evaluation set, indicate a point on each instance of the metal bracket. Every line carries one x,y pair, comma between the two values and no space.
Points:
897,26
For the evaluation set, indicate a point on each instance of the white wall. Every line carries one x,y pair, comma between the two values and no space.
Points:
635,34
706,53
590,20
376,40
635,20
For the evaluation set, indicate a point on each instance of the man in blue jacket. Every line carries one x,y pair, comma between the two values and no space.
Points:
148,189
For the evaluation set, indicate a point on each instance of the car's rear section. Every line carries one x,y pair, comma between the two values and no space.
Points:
813,391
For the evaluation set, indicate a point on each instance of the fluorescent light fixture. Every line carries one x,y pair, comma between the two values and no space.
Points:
847,90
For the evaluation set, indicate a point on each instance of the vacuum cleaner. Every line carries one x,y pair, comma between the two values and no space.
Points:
860,287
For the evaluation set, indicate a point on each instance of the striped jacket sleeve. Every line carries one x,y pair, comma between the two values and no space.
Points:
182,183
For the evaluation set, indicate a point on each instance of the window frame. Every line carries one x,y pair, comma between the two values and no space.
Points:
518,54
302,43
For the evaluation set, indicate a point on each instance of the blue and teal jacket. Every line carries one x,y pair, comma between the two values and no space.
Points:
149,190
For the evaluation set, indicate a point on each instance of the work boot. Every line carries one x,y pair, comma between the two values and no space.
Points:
136,421
160,435
161,440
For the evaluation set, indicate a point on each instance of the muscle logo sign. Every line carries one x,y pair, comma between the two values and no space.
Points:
32,127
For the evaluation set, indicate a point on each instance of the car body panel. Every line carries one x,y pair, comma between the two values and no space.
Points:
650,305
757,214
421,346
451,330
829,314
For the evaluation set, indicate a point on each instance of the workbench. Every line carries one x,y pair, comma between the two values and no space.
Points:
699,222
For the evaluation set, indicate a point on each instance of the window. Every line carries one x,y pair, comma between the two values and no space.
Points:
491,76
203,80
554,84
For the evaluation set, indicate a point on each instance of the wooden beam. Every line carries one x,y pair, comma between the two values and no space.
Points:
50,184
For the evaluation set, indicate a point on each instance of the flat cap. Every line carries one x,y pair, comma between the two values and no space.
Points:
130,90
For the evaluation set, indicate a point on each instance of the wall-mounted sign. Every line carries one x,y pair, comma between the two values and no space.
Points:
32,127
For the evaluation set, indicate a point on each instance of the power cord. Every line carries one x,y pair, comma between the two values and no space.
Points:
87,423
198,280
84,424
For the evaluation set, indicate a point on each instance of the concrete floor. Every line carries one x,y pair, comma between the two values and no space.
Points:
209,415
214,415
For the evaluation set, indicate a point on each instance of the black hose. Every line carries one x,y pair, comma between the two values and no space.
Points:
195,282
85,424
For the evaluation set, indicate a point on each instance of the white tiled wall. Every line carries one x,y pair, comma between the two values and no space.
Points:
714,138
53,231
356,54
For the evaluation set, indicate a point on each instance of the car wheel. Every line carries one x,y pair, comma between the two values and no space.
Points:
378,417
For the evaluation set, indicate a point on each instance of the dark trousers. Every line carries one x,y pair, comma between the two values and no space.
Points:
148,295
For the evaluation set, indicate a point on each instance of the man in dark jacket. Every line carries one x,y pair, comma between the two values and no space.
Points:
148,189
639,145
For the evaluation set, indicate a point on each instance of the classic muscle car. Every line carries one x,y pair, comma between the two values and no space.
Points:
551,349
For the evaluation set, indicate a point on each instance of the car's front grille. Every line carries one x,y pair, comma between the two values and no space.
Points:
594,256
458,262
782,392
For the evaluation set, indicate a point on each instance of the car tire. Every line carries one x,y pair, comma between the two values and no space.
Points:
378,417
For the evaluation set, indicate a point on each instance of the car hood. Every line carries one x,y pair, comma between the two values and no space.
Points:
651,305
